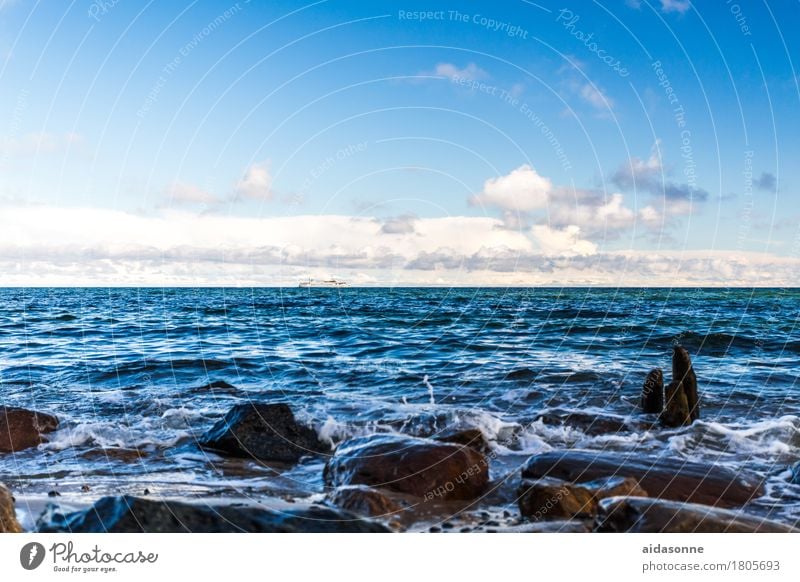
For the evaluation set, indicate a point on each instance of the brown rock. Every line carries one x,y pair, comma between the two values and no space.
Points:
470,437
642,515
653,392
115,453
365,501
21,429
664,478
8,517
268,432
683,372
676,411
418,467
549,498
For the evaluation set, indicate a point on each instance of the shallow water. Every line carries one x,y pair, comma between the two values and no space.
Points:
126,368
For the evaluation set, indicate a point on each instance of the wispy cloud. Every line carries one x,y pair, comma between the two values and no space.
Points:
256,183
180,193
680,6
766,182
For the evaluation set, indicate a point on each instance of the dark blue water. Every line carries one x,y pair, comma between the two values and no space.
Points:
125,368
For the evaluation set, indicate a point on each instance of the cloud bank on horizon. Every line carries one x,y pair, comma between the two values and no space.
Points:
505,145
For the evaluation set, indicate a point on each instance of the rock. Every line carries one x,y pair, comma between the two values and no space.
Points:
664,478
366,501
418,467
592,424
642,515
470,437
21,429
127,514
676,411
216,387
549,498
268,432
683,371
653,392
8,517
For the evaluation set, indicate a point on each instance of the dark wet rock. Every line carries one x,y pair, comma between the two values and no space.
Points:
676,410
115,453
8,517
470,437
664,478
592,424
128,514
53,493
548,498
653,392
366,501
216,387
418,467
267,432
21,429
642,515
683,372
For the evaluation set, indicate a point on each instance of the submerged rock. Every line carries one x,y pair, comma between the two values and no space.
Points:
128,514
676,411
683,372
267,432
592,424
21,429
642,515
366,501
664,478
548,498
8,517
653,392
419,467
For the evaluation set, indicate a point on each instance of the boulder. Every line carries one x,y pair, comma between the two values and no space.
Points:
683,372
553,499
366,501
21,429
418,467
642,515
8,517
469,437
267,432
676,411
127,514
653,392
665,478
548,498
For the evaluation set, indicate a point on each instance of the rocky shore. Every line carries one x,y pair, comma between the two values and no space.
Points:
394,482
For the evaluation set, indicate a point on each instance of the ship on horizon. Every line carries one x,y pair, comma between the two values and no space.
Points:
335,283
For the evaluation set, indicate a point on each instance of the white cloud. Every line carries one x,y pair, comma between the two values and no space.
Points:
522,190
471,72
256,183
562,242
594,96
679,6
79,246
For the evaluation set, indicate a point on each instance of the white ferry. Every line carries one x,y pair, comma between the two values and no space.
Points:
326,283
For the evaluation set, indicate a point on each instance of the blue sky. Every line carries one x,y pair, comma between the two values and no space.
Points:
399,142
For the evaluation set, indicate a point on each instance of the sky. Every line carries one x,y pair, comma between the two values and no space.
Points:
624,143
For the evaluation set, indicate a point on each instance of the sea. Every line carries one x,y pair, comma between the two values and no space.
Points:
137,375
